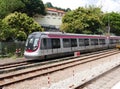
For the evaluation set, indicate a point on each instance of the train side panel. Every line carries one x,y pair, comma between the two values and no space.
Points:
52,44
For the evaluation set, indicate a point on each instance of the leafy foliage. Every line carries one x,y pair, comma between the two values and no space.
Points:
83,20
113,20
21,25
9,6
48,5
33,7
4,31
30,7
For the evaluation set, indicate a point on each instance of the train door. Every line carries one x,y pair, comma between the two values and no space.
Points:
102,43
56,47
86,42
81,44
74,44
46,47
94,43
107,41
66,45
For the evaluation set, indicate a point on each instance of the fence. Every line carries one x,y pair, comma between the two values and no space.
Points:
9,48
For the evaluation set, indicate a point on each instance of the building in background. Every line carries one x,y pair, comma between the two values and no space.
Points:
51,21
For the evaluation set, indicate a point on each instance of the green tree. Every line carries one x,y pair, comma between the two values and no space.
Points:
5,33
9,6
48,5
83,20
33,7
21,25
30,7
68,9
113,20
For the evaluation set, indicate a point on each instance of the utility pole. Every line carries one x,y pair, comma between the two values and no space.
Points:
108,31
108,26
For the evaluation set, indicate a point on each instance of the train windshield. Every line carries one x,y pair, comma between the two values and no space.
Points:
32,44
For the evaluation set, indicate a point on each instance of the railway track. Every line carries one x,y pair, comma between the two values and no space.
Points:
7,79
14,66
6,68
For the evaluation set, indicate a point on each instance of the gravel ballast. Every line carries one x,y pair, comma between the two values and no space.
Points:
71,77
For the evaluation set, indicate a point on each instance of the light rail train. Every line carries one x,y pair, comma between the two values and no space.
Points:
43,45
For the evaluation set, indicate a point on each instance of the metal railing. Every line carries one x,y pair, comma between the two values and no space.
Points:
9,48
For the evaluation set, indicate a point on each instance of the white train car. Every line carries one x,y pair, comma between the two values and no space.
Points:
43,45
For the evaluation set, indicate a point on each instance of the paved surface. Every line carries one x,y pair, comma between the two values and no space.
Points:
9,60
107,81
89,74
117,86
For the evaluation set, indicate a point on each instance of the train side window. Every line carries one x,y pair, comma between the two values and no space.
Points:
55,43
49,44
86,42
46,43
115,41
73,42
118,41
81,42
94,41
102,41
66,43
111,41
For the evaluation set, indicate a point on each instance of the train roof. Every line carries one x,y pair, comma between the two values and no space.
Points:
38,34
61,33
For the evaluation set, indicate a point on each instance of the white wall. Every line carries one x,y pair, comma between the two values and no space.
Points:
49,20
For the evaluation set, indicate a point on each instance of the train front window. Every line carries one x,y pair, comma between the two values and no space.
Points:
32,44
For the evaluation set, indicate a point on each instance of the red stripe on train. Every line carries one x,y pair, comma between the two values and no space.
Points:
67,36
